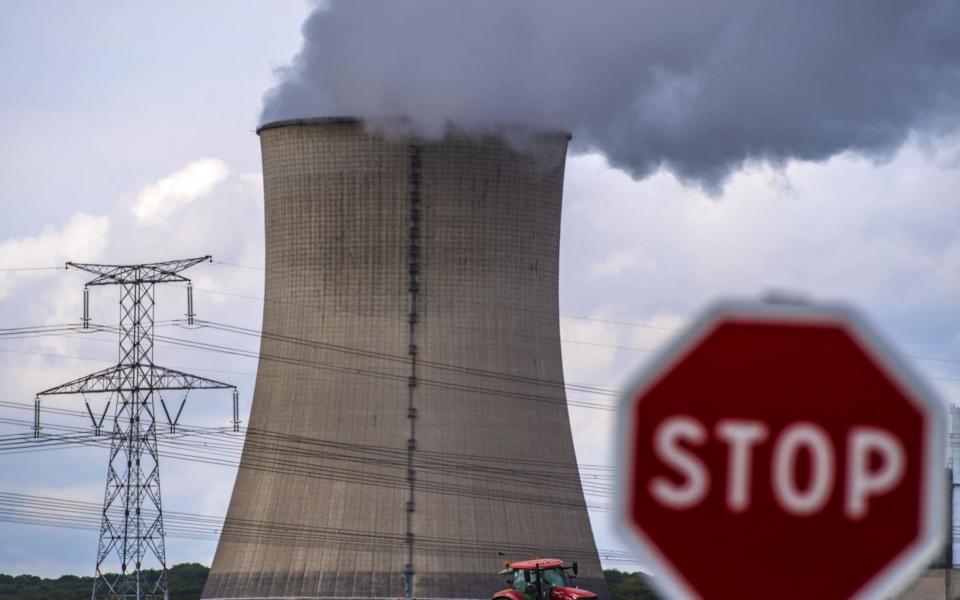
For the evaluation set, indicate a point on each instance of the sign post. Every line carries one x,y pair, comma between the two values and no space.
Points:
781,451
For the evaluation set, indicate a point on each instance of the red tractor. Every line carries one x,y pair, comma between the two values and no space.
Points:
541,579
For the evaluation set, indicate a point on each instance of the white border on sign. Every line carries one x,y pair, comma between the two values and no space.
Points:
901,570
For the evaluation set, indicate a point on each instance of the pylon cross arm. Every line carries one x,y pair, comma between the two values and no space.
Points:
118,379
171,379
160,272
107,380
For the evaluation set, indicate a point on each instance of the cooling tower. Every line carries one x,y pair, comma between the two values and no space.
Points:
409,422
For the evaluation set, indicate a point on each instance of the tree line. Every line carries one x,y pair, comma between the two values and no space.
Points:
186,583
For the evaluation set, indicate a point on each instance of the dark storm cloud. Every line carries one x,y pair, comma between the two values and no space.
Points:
697,86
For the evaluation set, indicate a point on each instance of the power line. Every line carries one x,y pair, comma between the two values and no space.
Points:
621,322
564,315
446,473
24,269
259,457
352,371
229,350
459,369
26,509
386,376
230,264
73,329
366,448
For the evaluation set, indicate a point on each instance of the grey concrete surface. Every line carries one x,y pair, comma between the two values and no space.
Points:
932,585
411,338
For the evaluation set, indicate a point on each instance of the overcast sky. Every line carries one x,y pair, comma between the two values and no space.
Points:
126,134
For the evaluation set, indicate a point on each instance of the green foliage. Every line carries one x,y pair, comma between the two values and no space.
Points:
629,586
185,583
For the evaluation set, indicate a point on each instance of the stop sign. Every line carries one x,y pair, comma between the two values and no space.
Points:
781,451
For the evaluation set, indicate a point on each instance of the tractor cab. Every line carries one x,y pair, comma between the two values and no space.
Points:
541,579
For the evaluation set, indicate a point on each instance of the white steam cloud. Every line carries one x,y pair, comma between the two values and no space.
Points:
163,197
696,86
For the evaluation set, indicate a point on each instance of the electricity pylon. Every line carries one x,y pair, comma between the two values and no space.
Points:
132,519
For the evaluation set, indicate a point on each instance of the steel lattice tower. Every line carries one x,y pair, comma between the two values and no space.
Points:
131,529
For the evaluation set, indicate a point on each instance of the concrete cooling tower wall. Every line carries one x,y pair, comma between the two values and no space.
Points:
409,421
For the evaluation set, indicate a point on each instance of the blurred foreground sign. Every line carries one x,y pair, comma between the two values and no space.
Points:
781,451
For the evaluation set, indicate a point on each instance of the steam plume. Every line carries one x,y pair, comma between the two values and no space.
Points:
696,86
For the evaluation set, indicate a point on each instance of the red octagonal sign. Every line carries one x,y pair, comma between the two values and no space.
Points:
781,451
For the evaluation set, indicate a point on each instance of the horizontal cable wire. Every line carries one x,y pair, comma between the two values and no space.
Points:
58,512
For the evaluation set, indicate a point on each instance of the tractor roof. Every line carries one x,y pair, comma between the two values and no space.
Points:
543,563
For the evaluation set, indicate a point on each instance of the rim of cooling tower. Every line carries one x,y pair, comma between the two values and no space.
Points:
308,121
327,120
